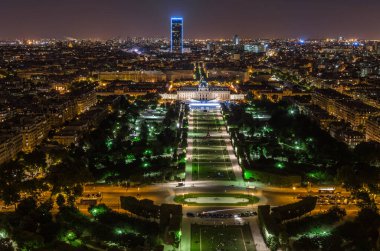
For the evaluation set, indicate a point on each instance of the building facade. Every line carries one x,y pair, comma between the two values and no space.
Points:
202,92
373,129
176,35
10,145
135,76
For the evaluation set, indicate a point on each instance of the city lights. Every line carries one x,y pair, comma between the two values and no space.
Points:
167,137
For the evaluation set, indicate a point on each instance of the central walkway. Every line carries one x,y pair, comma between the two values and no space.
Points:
210,154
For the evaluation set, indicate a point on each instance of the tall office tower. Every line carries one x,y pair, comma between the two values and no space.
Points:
236,40
176,36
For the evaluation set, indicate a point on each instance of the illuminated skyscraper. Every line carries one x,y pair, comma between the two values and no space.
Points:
236,40
176,36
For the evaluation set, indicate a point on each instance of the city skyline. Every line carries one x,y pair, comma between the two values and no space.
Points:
250,19
189,125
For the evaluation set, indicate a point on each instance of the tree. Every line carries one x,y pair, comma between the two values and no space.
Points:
346,175
305,243
6,244
354,177
10,194
35,163
28,240
144,132
26,206
167,137
11,177
67,175
368,152
362,233
60,200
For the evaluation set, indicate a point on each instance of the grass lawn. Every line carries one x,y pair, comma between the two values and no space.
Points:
216,151
212,171
226,238
182,199
209,143
210,160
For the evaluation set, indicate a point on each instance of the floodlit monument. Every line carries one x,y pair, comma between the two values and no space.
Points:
203,93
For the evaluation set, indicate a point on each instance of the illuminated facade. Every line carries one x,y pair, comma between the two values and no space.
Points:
135,76
344,108
176,35
203,92
373,129
10,146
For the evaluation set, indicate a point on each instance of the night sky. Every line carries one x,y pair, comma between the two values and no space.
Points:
203,18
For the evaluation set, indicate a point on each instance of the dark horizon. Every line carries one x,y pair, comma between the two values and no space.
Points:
98,19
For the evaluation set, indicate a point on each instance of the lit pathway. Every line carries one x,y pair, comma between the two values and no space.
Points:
234,161
256,234
186,235
189,150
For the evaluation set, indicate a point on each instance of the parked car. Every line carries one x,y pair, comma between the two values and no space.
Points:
189,214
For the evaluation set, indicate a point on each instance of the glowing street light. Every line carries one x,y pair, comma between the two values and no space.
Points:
280,165
119,231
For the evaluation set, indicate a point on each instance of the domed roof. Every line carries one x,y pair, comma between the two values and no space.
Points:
203,83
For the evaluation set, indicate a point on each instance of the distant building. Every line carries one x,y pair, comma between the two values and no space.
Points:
146,76
225,73
376,48
236,40
235,57
85,101
33,130
176,35
255,48
373,129
10,146
135,76
88,121
210,46
276,95
66,137
351,138
4,113
344,107
173,75
186,50
353,111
